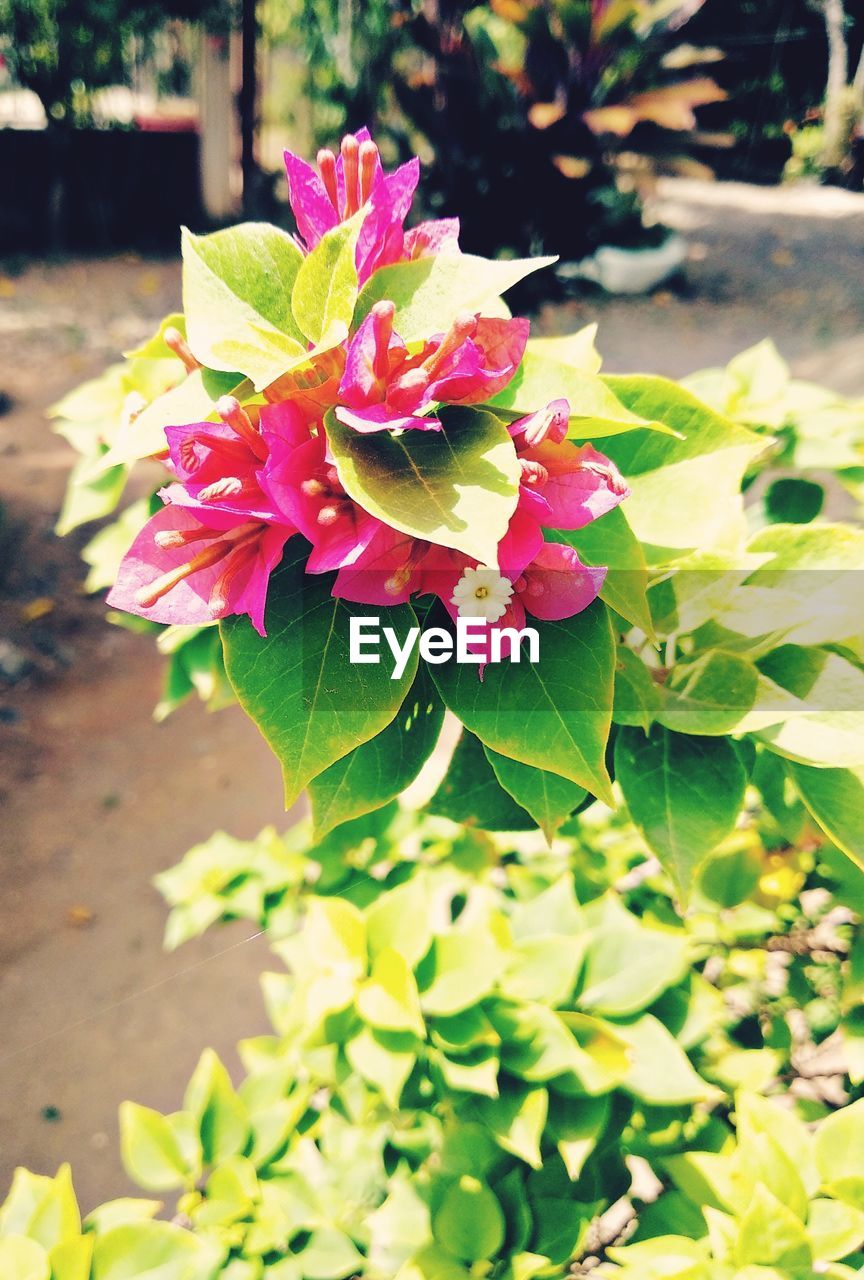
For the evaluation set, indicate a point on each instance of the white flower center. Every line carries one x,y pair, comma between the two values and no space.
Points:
482,593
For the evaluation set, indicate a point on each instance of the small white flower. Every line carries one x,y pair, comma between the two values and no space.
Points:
482,593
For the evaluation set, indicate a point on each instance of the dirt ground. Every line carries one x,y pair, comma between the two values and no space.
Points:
95,798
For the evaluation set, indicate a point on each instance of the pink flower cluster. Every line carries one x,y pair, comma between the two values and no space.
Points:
246,484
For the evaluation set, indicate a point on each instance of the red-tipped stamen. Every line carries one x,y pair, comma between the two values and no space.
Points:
240,559
351,174
194,452
148,596
227,487
462,328
405,392
533,473
327,169
420,245
235,416
382,327
222,545
333,511
333,480
398,582
400,577
175,342
368,168
537,427
168,539
616,482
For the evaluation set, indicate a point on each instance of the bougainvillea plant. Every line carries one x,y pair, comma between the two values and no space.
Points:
581,1043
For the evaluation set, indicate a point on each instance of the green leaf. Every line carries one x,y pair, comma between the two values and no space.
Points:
457,489
311,704
401,920
471,793
823,721
153,1251
756,1115
193,400
711,695
627,965
540,1045
753,388
834,1229
71,1260
23,1259
195,665
43,1209
398,1228
548,798
476,1073
676,1257
835,798
792,500
92,491
555,910
465,967
329,1255
150,1148
325,290
563,1213
221,1117
544,969
576,350
660,1072
388,1000
377,771
333,936
610,542
464,1032
383,1060
116,1213
576,1128
637,698
237,287
430,293
155,347
839,1143
686,492
684,794
810,588
769,1233
469,1222
517,1118
763,1159
595,410
554,714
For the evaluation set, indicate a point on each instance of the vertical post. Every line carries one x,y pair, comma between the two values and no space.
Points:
248,103
218,127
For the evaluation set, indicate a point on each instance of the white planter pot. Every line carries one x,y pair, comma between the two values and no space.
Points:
629,270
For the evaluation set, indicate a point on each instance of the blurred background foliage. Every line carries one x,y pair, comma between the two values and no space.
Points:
550,121
543,124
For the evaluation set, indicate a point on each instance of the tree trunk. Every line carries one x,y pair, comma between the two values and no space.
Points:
858,91
835,145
